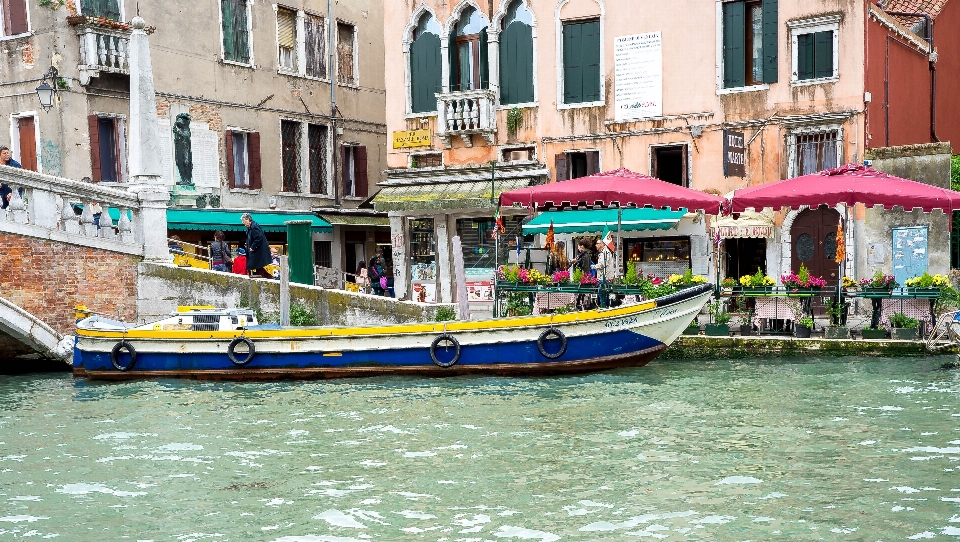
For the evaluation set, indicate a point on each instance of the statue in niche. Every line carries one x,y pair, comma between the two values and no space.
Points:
182,152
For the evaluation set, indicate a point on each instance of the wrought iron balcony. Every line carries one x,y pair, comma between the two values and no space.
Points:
467,113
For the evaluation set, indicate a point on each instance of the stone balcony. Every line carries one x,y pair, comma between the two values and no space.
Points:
104,46
467,113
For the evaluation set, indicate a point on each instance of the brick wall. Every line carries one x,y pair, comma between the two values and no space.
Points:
47,279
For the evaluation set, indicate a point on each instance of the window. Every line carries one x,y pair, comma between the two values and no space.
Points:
426,159
107,148
581,62
573,165
290,155
24,142
814,45
477,242
425,68
243,159
468,52
519,154
346,62
317,152
322,253
101,8
814,151
316,46
516,55
749,43
353,170
669,163
15,20
236,31
287,39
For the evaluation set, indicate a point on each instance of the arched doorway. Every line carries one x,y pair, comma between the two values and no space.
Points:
814,240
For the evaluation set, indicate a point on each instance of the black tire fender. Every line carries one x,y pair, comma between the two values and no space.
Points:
433,350
548,334
231,351
115,355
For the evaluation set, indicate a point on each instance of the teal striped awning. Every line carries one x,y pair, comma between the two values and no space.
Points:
220,219
596,220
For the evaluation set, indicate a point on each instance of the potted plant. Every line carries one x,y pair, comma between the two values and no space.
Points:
720,317
879,283
693,328
873,333
728,285
849,284
838,321
926,285
801,280
757,283
904,327
803,326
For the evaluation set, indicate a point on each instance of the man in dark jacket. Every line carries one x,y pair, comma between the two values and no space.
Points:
258,248
6,193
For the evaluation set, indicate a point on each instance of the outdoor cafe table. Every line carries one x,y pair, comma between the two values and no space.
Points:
916,303
779,303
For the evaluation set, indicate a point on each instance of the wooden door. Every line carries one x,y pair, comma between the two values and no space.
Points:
814,243
28,143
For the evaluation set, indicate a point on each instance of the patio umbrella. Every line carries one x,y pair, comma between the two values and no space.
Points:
622,187
849,184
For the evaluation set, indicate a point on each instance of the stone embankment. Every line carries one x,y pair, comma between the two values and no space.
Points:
703,347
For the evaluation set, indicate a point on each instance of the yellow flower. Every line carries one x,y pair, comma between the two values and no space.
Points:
767,281
745,280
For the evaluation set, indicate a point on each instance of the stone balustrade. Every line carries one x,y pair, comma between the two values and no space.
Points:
43,206
103,50
467,113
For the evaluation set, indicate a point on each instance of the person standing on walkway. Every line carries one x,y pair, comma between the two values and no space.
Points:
6,193
606,267
240,262
220,259
258,248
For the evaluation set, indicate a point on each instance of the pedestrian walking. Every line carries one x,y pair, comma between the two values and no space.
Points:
258,248
6,193
220,259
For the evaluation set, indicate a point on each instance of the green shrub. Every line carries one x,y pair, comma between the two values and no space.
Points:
445,313
901,320
301,316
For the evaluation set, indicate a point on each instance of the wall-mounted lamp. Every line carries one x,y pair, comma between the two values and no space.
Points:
47,91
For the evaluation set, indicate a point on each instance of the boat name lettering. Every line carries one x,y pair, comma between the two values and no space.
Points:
667,312
622,322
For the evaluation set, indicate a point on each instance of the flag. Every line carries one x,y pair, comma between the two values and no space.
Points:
608,238
499,223
549,244
841,244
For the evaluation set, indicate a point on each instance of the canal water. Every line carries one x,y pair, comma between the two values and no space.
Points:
796,449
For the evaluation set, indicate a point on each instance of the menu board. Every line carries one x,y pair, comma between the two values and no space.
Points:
638,73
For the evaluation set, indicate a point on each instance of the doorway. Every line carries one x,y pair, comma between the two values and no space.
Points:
745,255
669,164
814,243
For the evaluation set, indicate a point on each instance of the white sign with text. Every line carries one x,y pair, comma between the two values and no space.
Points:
639,76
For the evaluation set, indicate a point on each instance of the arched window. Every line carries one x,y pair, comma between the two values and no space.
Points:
425,67
516,55
468,52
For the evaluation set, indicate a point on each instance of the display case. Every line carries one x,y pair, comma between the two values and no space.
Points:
423,260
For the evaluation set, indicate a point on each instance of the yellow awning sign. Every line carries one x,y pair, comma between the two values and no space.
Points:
411,138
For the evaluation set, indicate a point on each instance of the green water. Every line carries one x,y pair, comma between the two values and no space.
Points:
828,449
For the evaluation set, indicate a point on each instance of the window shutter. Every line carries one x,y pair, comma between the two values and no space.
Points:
734,45
770,28
560,163
452,60
572,63
286,28
425,73
241,39
316,47
253,153
484,61
231,174
593,162
360,170
805,56
226,12
343,170
823,54
17,17
591,61
95,169
110,9
516,64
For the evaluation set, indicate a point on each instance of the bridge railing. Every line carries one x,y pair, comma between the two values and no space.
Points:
43,202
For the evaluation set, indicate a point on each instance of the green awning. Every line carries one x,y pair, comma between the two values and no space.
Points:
595,220
219,219
456,195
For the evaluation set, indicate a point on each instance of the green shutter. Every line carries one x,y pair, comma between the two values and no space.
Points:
242,46
591,64
734,45
484,61
823,56
805,56
452,60
425,74
516,64
770,65
226,7
572,63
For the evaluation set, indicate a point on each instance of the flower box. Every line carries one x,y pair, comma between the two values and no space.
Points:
757,290
802,332
716,330
692,330
905,334
836,332
873,333
923,292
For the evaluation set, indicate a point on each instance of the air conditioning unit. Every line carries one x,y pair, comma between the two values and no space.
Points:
517,155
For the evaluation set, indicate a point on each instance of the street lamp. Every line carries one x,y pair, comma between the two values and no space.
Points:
45,91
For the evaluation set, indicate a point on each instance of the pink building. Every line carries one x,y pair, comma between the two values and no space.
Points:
490,96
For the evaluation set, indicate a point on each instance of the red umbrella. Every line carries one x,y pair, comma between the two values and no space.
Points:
847,184
622,187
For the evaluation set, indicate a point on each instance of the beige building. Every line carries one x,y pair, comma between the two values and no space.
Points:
711,95
243,98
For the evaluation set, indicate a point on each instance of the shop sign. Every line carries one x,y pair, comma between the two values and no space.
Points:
479,291
411,138
750,230
734,154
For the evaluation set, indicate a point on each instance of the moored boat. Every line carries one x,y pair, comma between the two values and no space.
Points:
229,344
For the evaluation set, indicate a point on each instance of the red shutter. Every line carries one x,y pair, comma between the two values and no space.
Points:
17,16
343,171
96,172
231,179
253,152
560,163
360,170
28,143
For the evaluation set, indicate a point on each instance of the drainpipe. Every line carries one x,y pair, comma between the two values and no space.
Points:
333,103
928,26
